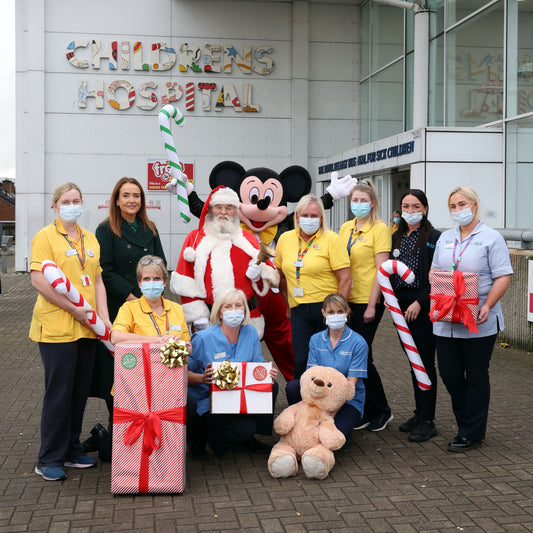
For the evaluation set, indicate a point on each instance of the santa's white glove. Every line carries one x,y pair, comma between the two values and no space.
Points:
201,323
172,185
340,188
253,271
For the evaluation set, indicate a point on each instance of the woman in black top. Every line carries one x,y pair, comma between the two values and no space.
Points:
414,244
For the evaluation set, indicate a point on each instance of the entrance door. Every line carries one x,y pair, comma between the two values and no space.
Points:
399,184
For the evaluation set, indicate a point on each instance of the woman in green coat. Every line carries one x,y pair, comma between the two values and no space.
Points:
125,236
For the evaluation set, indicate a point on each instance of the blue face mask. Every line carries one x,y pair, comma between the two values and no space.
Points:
152,289
396,220
71,212
463,217
336,321
361,209
233,318
309,225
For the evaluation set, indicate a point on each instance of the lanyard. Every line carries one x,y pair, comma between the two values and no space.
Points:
301,255
463,248
350,242
155,323
72,245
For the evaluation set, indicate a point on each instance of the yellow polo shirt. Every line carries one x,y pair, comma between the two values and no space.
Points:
317,276
49,322
134,317
365,244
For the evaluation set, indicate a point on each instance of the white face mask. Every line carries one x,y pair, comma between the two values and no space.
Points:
233,318
463,217
412,218
336,321
309,225
70,212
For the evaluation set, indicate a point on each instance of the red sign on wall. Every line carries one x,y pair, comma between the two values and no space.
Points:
159,174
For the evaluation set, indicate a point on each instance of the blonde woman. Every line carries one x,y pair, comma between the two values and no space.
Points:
368,242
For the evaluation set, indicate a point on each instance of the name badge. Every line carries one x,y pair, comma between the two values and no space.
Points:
175,327
297,291
449,245
220,355
86,281
90,253
71,252
298,264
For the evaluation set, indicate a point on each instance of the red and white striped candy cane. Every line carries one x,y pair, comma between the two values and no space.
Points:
54,275
392,266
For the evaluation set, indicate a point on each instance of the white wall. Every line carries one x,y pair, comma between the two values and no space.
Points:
308,103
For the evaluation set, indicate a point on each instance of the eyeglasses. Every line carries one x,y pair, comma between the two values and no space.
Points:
147,260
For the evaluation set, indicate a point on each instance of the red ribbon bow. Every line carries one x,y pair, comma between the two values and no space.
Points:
149,422
461,313
260,387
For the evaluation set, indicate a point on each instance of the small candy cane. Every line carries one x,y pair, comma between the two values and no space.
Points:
167,113
392,266
54,275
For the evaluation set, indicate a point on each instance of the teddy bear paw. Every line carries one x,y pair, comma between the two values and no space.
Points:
284,466
313,467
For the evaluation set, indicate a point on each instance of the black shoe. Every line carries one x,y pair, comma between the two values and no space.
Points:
255,446
92,444
423,431
408,425
198,451
362,424
462,444
380,422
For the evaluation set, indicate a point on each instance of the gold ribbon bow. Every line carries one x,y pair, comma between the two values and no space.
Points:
174,353
226,376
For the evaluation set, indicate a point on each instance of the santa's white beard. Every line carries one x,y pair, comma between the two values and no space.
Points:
221,226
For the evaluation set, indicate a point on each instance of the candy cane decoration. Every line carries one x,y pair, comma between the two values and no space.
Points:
392,266
176,168
62,285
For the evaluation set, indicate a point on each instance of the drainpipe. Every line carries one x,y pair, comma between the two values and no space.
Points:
421,59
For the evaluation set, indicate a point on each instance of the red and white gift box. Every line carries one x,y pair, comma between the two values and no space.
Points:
149,418
455,297
251,395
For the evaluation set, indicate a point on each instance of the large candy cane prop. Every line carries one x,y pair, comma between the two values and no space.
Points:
167,113
385,270
62,285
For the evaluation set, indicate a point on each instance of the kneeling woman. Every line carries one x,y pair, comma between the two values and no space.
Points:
345,350
230,338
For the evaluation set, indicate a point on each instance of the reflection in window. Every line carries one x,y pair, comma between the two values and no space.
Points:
387,35
474,83
459,9
436,82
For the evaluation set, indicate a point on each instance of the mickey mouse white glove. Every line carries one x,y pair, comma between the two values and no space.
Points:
253,272
340,188
172,185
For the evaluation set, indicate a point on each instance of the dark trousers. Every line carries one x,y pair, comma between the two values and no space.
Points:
346,418
464,369
68,368
422,332
375,399
221,432
306,320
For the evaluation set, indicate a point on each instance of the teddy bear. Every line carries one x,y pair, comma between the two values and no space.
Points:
307,428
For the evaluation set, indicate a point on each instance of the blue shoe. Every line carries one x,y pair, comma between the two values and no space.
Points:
51,473
83,461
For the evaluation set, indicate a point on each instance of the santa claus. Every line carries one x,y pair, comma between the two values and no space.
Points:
219,256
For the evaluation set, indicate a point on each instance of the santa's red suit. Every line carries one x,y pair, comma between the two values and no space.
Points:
209,264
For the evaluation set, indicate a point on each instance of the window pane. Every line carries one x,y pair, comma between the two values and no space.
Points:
364,29
436,82
364,107
409,31
387,35
519,173
436,17
387,102
409,65
459,9
474,84
520,58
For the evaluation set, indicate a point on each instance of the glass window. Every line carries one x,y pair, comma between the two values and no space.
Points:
436,17
409,31
364,106
519,173
364,31
436,82
387,35
474,79
387,102
459,9
519,58
409,75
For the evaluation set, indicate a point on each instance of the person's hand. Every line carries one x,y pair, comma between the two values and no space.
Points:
412,312
208,373
253,272
369,314
201,323
273,373
80,314
108,324
340,188
483,314
189,346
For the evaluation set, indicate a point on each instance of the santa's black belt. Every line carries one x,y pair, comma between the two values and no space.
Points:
252,303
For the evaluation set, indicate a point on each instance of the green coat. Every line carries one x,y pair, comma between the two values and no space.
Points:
119,258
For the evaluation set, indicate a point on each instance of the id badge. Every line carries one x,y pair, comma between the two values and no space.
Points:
298,264
297,291
70,253
86,281
175,327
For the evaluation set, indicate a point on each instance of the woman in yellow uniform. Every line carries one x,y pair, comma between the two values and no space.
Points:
313,263
368,241
66,341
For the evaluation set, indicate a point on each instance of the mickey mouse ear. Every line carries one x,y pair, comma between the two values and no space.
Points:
296,182
227,173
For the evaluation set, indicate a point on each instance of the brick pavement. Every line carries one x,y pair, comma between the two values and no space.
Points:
381,482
